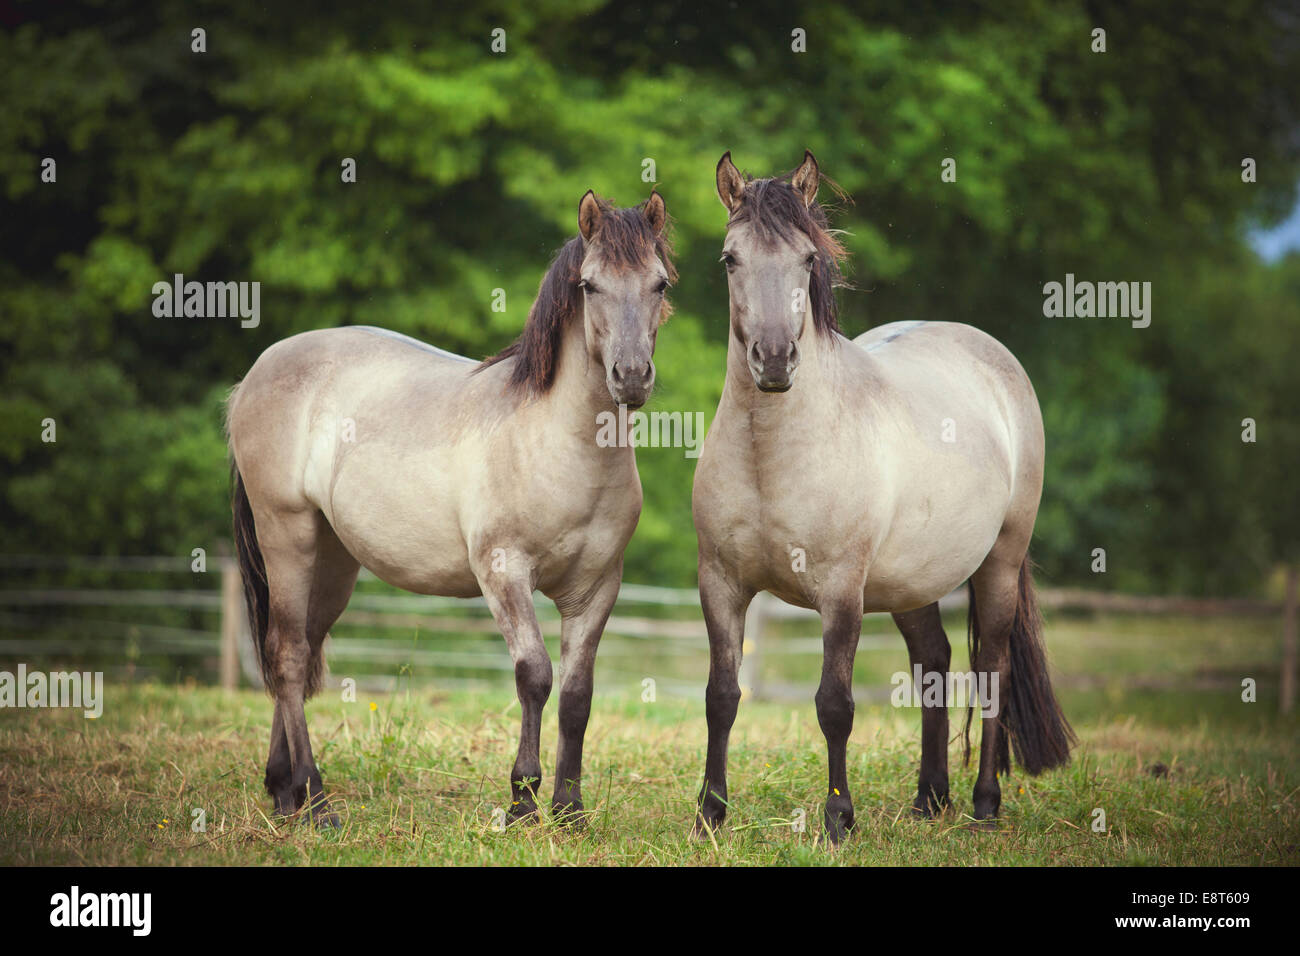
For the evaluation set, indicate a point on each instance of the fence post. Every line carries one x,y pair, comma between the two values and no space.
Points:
751,648
232,609
1289,641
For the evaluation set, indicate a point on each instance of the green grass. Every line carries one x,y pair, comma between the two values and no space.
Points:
417,779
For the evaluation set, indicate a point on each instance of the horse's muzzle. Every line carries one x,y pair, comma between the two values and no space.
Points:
773,366
631,386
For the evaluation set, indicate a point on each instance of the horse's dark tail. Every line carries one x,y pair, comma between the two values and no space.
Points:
1031,718
252,569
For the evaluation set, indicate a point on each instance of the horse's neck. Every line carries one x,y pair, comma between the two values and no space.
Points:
579,392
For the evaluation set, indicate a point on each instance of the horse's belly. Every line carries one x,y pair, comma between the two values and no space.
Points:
930,550
424,560
406,531
888,591
423,575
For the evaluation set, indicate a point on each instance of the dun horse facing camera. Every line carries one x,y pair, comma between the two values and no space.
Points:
360,447
900,464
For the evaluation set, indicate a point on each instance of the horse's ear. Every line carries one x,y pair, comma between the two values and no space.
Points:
807,178
656,213
589,215
730,183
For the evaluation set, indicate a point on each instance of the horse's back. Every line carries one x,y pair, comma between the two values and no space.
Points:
357,348
286,416
313,368
412,343
958,366
938,341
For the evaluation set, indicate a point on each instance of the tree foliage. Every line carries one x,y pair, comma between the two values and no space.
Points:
1123,165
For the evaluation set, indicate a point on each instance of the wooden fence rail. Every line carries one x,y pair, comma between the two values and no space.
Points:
430,614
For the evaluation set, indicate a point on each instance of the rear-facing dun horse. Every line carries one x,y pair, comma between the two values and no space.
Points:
896,466
360,447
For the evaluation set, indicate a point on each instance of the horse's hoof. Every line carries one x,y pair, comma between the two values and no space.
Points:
569,815
521,812
838,828
710,812
328,821
933,805
838,818
706,824
986,809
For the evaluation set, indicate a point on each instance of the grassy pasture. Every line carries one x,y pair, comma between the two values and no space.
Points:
1185,771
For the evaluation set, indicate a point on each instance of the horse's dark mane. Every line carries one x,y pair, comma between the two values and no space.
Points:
626,241
777,210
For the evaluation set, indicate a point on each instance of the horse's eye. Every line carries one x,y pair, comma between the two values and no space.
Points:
728,260
586,286
661,287
811,261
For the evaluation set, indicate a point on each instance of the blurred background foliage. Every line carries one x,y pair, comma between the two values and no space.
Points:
225,166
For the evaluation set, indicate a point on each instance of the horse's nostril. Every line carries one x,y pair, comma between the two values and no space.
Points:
793,356
644,374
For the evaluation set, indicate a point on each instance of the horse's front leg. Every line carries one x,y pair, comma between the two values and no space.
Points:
581,628
841,626
510,598
724,602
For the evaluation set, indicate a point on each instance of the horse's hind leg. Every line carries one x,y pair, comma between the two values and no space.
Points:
310,577
928,648
279,768
995,590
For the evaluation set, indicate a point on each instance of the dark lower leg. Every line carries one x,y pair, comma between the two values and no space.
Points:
580,633
993,740
724,605
305,784
533,683
988,794
575,709
928,648
279,768
932,782
841,627
835,716
994,588
721,701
